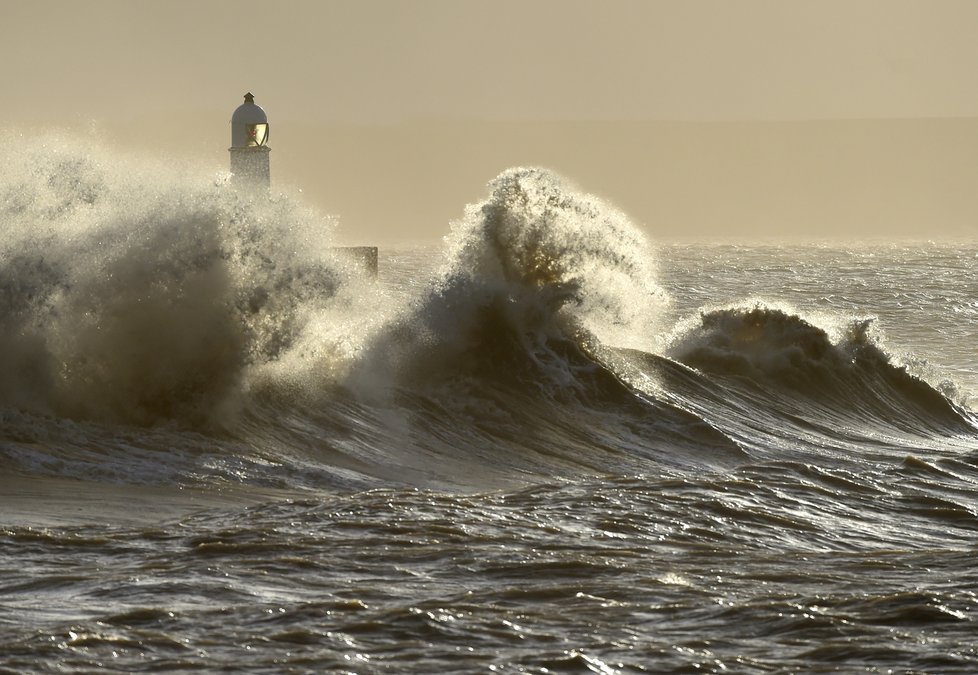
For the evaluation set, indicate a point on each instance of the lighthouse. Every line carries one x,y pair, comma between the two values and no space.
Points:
249,149
249,170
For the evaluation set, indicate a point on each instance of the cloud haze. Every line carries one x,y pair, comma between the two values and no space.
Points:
700,118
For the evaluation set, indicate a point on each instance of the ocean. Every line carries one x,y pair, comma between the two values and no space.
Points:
547,444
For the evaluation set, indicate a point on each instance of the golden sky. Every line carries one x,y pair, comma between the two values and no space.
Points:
734,118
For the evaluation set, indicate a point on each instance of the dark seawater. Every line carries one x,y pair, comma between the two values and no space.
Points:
548,444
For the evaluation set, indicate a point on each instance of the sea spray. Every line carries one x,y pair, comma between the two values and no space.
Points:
138,292
537,231
533,270
136,296
492,370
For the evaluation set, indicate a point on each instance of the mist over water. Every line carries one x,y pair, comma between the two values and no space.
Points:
549,444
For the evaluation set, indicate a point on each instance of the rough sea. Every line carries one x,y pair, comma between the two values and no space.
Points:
548,444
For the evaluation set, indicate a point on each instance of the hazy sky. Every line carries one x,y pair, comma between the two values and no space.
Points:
394,114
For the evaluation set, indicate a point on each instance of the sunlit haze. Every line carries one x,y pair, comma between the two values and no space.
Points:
702,119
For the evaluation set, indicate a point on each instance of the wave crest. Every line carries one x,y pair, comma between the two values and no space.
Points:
779,354
538,233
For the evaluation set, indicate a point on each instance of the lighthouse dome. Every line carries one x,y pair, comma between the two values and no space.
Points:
249,124
249,112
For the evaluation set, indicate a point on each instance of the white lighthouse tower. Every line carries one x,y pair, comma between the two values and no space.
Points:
249,149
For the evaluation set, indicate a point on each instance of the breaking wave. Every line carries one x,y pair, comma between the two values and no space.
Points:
157,326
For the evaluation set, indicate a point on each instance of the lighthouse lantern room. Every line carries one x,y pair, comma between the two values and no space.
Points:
249,149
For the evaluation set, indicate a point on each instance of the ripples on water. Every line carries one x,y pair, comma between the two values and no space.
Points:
770,568
530,450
